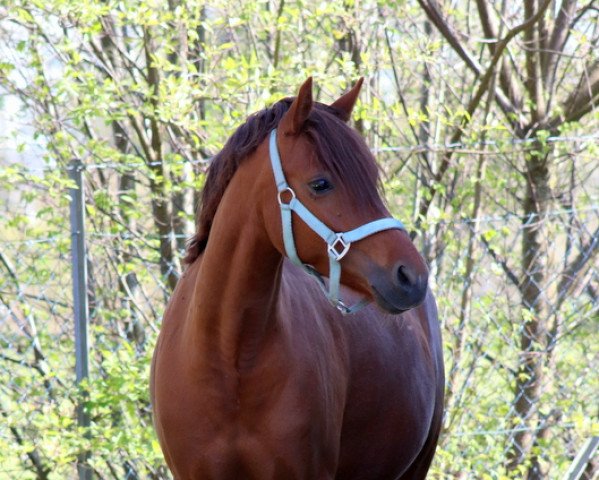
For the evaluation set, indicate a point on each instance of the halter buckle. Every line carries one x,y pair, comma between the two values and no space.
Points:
342,307
280,196
333,248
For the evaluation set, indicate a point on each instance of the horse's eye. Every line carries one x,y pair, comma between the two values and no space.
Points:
320,185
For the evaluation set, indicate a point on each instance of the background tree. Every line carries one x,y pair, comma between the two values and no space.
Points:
544,84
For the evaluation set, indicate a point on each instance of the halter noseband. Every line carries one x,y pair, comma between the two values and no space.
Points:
338,244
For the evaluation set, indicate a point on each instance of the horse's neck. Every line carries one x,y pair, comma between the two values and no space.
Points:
235,294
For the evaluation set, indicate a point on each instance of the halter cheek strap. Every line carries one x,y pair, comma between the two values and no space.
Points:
338,243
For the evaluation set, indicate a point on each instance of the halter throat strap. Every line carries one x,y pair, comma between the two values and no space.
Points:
338,243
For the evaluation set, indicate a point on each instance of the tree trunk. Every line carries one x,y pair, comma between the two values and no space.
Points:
535,308
161,205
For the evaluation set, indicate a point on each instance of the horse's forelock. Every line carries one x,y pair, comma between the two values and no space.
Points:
342,151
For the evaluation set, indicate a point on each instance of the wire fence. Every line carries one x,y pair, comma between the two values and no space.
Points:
474,273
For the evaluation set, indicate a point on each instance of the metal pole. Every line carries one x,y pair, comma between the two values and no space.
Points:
80,305
581,462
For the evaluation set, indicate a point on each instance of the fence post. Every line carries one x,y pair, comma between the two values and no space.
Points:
581,462
80,304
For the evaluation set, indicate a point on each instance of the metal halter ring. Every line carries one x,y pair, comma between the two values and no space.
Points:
281,192
338,242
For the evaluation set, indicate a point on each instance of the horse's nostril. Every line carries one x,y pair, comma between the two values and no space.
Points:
405,277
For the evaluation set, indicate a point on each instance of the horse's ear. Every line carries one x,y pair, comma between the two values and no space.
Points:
293,121
345,104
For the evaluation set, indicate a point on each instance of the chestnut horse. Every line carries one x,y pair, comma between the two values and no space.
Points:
257,373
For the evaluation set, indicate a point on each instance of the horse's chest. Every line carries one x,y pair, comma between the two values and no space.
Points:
275,420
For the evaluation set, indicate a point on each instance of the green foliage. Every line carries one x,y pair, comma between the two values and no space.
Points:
145,92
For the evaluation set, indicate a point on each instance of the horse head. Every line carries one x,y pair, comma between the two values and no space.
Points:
329,171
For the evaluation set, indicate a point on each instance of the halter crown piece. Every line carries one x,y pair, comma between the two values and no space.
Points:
338,244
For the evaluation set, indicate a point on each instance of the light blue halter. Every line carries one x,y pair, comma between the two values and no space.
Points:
338,244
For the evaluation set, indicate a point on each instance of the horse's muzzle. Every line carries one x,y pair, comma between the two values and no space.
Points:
400,289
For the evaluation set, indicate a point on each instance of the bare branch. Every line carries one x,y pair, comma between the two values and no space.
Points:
581,100
533,83
585,257
401,97
557,41
507,75
431,8
502,262
41,469
483,86
277,48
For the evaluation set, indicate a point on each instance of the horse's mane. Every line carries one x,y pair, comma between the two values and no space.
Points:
340,151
